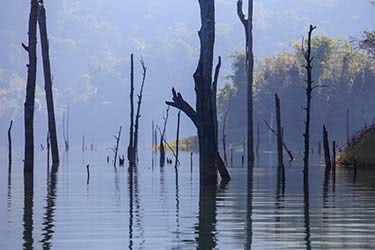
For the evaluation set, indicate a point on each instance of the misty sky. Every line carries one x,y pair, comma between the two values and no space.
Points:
91,42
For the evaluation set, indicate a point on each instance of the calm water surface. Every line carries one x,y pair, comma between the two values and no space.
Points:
164,209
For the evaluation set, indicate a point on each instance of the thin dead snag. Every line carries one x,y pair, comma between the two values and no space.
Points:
30,88
42,20
162,138
115,149
309,88
327,155
177,137
204,116
248,27
280,153
10,147
224,137
138,115
66,129
169,146
131,128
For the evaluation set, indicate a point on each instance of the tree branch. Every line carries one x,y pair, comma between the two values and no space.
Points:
284,144
179,103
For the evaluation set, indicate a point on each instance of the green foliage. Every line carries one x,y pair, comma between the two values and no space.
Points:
347,73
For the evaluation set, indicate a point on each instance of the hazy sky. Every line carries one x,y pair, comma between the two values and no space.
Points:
91,40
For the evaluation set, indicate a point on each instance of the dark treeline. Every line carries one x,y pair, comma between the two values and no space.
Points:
347,71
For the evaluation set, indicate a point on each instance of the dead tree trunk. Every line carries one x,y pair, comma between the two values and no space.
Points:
48,150
224,139
309,89
131,128
30,89
138,115
327,156
280,152
204,116
115,150
10,147
177,137
48,83
248,26
258,140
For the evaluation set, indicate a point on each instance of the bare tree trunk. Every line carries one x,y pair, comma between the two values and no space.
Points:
309,88
131,128
162,138
280,152
153,144
347,126
326,150
10,147
231,157
30,89
204,117
177,137
248,26
138,115
258,140
48,150
48,83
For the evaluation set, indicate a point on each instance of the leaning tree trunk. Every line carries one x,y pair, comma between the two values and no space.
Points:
48,83
30,89
204,116
248,26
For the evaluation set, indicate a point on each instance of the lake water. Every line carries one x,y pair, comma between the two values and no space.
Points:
162,210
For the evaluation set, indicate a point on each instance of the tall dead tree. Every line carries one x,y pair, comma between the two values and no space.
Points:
248,26
30,88
10,147
280,152
177,137
204,116
309,88
138,115
42,20
131,128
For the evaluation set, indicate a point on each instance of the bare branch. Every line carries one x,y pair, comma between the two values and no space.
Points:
179,103
284,144
240,13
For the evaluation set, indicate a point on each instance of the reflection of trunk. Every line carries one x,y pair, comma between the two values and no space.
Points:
307,218
249,210
49,214
207,217
130,186
204,116
10,147
48,83
248,26
30,89
28,211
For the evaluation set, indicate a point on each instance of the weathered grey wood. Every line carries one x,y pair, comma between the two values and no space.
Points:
42,20
30,88
115,150
248,27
